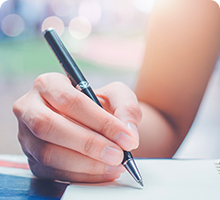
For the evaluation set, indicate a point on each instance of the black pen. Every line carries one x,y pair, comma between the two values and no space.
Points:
78,81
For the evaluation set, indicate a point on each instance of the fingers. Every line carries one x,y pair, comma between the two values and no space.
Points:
45,172
124,105
54,128
60,158
64,132
66,99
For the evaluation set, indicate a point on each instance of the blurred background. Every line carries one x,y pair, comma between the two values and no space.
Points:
106,38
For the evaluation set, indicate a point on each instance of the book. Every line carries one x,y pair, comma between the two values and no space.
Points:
17,181
164,179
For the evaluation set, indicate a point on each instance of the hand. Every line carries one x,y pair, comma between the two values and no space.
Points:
66,136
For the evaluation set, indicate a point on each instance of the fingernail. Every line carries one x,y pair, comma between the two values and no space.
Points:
134,130
125,141
114,169
111,155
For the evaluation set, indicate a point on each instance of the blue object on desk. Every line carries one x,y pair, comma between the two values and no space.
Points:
21,188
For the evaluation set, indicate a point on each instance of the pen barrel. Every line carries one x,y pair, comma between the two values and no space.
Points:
79,82
127,156
65,59
89,92
70,67
131,167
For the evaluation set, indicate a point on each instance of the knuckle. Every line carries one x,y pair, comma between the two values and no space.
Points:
40,81
89,145
133,110
69,100
16,108
39,122
44,79
106,126
19,106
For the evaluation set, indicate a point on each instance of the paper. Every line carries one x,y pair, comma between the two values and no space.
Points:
163,179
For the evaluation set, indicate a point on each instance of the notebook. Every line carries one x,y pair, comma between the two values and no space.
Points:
164,179
18,183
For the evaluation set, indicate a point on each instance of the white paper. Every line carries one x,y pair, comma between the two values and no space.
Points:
163,179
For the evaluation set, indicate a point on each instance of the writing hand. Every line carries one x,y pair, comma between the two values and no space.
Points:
66,136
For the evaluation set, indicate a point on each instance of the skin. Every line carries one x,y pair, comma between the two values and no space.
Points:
59,133
68,140
180,56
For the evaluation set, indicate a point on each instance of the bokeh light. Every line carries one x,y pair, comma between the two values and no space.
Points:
80,27
92,10
54,22
63,8
124,12
145,6
12,25
1,2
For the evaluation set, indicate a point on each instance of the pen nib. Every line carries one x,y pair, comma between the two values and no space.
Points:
131,167
141,183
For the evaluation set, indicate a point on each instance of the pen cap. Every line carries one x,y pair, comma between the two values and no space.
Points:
67,62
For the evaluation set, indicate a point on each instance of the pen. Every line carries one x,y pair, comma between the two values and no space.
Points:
79,82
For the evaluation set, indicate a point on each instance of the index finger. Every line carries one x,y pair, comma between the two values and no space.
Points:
57,90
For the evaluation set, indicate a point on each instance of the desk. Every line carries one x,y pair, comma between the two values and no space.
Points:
17,181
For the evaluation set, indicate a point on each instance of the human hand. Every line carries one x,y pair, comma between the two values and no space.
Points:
66,136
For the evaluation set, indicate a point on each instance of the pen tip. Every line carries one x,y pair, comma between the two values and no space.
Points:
141,183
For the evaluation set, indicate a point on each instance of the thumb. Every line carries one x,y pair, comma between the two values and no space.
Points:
120,100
